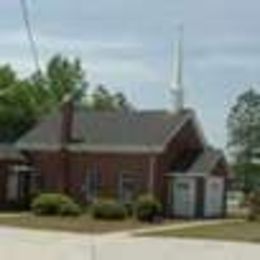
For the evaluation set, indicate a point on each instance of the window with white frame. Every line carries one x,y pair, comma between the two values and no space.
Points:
93,183
23,182
128,187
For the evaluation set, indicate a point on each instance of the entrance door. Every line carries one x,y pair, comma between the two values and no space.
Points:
214,197
128,187
12,187
184,197
23,182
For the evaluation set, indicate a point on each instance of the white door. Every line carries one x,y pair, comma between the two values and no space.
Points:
184,197
214,193
12,187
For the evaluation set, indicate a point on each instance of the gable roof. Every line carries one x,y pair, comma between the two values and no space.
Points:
206,161
204,164
135,131
8,152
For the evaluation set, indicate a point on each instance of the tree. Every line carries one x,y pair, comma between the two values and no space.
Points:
244,135
16,111
64,76
7,77
102,99
24,101
121,102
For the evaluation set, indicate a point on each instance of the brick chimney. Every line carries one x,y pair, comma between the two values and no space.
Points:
66,131
67,119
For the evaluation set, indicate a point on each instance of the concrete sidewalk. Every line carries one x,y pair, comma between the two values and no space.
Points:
19,244
165,227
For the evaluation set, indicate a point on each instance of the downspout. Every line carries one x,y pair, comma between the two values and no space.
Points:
66,136
152,162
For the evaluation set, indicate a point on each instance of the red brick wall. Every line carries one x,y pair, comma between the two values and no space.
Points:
3,181
50,166
111,165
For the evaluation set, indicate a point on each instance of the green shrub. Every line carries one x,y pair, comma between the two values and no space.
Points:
54,204
108,210
70,209
147,208
129,208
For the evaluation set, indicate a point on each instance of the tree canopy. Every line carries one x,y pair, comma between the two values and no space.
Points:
244,136
23,101
102,99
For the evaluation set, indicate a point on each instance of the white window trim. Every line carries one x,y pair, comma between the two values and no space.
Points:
120,182
90,192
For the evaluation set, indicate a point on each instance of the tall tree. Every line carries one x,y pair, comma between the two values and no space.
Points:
17,111
102,99
244,135
24,101
121,102
64,76
7,77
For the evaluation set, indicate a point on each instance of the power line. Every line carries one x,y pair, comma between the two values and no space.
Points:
32,41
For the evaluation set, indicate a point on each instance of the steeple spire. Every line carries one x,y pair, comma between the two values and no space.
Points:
177,83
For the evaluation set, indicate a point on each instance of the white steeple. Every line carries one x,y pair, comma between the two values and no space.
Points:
177,83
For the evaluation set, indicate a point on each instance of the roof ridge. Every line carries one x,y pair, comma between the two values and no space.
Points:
202,154
139,111
120,129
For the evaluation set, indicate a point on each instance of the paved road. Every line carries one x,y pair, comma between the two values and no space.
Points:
18,244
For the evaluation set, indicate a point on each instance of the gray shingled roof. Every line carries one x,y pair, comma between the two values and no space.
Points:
206,161
106,130
9,152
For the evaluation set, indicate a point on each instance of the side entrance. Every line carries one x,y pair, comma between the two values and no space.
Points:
196,196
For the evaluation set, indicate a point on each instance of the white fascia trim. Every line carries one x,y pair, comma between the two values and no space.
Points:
93,148
115,149
192,175
38,147
184,175
19,168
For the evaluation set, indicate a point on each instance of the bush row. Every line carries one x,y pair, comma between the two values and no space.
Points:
108,209
146,208
55,204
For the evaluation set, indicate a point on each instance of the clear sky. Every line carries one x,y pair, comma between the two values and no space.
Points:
128,45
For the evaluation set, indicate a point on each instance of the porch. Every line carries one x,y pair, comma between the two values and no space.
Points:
18,179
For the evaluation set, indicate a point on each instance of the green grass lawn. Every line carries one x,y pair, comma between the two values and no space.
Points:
82,224
234,231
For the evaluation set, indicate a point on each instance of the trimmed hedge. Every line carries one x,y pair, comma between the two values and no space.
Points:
129,206
70,209
108,210
147,208
51,204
